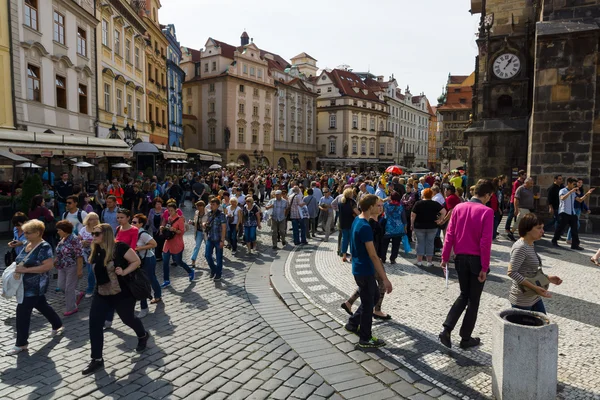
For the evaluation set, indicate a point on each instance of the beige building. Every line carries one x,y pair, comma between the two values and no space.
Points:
251,107
352,123
121,77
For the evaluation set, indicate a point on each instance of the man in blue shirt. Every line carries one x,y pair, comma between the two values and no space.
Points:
365,263
566,212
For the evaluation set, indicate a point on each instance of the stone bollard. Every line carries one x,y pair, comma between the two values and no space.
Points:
524,356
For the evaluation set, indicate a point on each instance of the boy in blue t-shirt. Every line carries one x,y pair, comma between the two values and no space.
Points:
365,262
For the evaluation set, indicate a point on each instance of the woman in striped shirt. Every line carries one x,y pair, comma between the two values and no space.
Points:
524,263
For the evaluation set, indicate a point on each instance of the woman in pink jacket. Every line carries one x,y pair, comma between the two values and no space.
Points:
173,233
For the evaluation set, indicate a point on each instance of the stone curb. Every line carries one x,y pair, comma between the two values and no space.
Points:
399,378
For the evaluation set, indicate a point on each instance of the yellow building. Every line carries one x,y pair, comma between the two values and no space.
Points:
156,74
121,81
6,102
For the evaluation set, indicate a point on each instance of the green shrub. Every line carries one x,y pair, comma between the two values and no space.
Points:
32,186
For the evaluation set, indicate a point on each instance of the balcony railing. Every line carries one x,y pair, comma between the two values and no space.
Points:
386,133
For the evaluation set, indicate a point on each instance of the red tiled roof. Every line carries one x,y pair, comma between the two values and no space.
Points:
457,79
189,116
194,53
346,81
227,50
416,99
399,94
278,62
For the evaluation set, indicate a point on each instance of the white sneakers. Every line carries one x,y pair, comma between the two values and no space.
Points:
57,332
143,313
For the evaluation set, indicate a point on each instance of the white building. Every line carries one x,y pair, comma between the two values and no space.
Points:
414,127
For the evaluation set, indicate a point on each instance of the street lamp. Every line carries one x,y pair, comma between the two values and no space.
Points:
258,155
130,134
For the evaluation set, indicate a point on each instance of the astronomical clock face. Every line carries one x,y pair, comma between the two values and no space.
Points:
507,65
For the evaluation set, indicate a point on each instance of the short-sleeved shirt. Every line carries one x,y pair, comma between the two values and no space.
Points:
67,252
72,218
326,201
279,207
426,211
215,223
250,216
566,206
143,238
347,216
360,234
457,181
86,236
296,201
35,284
525,197
110,217
129,236
175,245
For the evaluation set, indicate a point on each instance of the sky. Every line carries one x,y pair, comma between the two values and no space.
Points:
418,41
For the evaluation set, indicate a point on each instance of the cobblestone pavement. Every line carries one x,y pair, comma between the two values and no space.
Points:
420,302
207,341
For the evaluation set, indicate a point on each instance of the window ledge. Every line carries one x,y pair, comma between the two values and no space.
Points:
60,44
30,29
83,57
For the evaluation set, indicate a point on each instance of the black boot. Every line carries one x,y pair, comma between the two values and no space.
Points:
142,341
93,366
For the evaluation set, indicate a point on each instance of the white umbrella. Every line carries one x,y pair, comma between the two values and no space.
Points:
83,164
28,165
233,164
215,166
121,165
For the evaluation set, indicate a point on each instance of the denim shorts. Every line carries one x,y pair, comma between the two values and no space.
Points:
250,233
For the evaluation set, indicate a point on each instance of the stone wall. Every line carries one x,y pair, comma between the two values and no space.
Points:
564,120
496,153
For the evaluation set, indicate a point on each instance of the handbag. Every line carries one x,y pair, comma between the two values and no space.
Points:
539,279
138,284
112,287
9,257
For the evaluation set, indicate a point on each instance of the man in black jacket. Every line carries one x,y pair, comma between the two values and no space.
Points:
554,201
63,189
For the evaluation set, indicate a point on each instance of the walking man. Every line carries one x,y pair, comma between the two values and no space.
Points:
554,201
511,210
62,190
469,234
326,212
298,225
365,262
278,218
566,212
216,231
523,202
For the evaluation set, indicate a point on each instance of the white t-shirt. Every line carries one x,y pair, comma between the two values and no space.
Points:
72,218
143,238
439,198
235,212
241,200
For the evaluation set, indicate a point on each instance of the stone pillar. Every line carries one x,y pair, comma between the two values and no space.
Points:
563,123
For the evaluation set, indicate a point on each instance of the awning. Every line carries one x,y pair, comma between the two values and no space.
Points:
145,147
204,155
12,156
171,155
52,145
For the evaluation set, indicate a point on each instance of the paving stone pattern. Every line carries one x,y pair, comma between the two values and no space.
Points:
420,302
207,342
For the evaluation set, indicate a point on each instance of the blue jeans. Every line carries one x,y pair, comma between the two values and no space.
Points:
345,242
149,265
509,217
537,307
91,279
62,207
425,241
299,230
178,259
215,246
232,236
250,234
578,213
199,239
554,222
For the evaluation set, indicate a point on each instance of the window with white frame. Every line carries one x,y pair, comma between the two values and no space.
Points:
212,135
245,69
119,102
129,106
267,136
381,148
354,121
206,67
214,65
117,42
372,148
241,108
137,57
81,42
211,87
240,135
332,146
105,32
355,146
138,109
259,73
363,147
128,50
107,97
254,136
372,124
252,71
83,100
255,111
332,121
31,14
59,27
211,106
61,91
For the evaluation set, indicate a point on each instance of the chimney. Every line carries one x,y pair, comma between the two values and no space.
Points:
380,78
245,39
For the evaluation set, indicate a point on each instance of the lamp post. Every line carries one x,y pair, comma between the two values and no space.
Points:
130,134
258,155
114,132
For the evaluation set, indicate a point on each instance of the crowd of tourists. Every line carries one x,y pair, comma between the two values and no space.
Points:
132,223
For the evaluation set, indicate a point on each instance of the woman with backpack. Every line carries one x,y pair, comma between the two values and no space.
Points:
145,249
111,262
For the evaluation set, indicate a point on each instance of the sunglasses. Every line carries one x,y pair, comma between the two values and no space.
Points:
135,222
96,234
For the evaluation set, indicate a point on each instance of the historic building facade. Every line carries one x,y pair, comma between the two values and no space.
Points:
156,73
433,142
53,66
6,79
122,100
454,110
175,78
414,128
352,122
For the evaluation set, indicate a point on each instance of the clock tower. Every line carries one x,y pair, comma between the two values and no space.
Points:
502,96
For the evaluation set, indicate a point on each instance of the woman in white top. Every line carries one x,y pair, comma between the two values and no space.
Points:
200,217
85,235
234,220
145,249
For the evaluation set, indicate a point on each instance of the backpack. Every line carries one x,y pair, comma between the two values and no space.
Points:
66,214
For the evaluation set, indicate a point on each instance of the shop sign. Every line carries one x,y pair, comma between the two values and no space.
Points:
46,153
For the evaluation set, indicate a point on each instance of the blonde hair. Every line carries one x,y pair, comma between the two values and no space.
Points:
348,194
34,225
107,244
86,220
233,201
